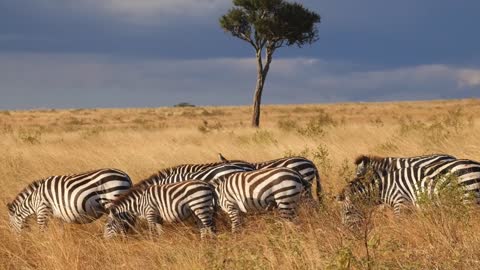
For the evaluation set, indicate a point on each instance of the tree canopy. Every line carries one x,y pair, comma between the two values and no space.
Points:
271,23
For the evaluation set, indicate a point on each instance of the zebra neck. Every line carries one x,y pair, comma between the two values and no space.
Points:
388,191
383,164
29,205
131,204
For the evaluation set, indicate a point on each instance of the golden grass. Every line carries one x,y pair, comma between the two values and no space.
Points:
35,144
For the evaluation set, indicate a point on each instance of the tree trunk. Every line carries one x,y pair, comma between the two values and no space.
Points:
262,72
257,100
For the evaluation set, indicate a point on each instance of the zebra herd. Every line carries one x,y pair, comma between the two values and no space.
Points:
234,186
170,195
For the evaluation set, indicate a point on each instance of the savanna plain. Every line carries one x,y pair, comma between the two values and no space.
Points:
39,143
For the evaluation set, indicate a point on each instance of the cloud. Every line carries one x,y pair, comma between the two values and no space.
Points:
155,11
90,80
469,77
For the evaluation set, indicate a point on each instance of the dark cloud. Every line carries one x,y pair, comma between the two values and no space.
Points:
126,53
100,81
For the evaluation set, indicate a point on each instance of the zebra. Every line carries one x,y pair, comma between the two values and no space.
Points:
305,167
163,203
364,162
259,191
76,198
400,187
185,172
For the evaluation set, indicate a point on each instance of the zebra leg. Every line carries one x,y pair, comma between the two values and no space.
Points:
154,223
42,216
234,215
400,207
204,218
287,209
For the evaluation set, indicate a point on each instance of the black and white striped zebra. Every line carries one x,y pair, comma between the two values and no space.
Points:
305,167
259,191
405,186
163,203
384,164
76,198
185,172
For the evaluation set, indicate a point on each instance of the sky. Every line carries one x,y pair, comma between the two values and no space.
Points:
152,53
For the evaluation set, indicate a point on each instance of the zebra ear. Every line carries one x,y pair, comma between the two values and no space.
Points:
361,159
222,158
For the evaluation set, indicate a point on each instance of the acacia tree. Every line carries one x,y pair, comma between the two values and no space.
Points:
268,25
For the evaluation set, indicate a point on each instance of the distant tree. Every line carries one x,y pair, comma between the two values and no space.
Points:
268,25
184,104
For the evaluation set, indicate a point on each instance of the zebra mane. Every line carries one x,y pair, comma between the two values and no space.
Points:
146,182
367,159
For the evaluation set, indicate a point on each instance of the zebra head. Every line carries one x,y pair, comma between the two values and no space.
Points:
118,223
17,221
362,163
357,198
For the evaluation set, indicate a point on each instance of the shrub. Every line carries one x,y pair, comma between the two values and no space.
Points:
28,136
264,137
321,156
448,209
317,125
183,104
205,127
287,125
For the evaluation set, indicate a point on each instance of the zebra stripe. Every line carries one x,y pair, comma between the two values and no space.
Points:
78,198
384,164
193,168
259,191
158,203
181,173
404,186
305,167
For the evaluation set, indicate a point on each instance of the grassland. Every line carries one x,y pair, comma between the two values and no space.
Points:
35,144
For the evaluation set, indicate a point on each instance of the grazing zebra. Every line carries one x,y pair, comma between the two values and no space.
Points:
258,191
303,166
404,186
76,198
158,203
393,163
181,173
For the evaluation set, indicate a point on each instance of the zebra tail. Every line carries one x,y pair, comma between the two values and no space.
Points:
215,207
318,190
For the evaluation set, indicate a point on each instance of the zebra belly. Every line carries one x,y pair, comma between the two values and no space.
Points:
248,205
77,214
80,217
175,216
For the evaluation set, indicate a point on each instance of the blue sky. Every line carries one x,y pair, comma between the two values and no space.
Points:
148,53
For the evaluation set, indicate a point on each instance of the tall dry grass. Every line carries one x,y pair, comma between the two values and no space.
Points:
35,144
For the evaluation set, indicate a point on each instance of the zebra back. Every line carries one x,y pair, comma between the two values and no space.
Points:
467,173
305,167
174,175
385,164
